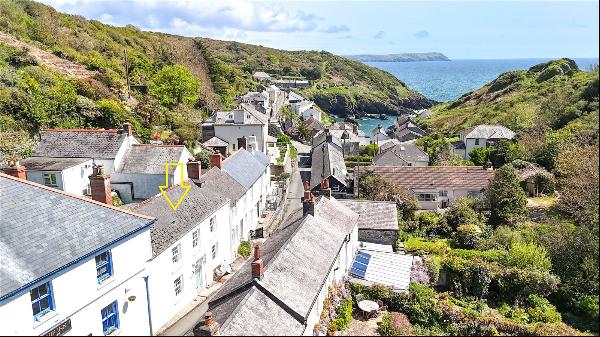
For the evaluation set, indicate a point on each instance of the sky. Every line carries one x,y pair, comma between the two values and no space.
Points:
459,29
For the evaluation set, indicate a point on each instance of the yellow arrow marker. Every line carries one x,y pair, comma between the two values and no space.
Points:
185,187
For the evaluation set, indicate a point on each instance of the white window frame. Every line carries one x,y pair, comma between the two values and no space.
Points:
195,235
49,176
213,224
176,253
178,285
214,251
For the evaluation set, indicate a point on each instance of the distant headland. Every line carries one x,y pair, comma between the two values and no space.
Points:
402,57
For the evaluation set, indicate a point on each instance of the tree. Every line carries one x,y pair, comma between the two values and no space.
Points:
468,236
375,187
528,256
506,198
578,182
479,156
462,212
173,85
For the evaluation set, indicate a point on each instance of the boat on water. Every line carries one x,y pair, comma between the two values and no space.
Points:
383,117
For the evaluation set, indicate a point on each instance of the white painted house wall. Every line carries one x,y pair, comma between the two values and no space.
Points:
73,180
336,274
147,185
163,272
231,132
78,296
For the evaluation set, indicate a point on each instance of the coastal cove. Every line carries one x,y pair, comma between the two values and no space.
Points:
448,80
444,81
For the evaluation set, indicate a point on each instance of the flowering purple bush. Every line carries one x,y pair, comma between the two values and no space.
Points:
338,292
418,273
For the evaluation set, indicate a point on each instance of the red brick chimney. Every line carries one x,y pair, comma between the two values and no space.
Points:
258,267
100,185
308,201
194,170
127,127
216,160
16,170
325,189
207,327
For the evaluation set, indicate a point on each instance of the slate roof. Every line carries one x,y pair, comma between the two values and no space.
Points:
473,178
215,142
400,155
295,97
47,229
51,164
222,183
245,167
198,205
489,132
251,116
297,262
67,143
151,159
313,124
320,137
327,161
458,145
380,215
261,75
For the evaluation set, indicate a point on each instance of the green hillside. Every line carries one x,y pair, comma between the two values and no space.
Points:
186,77
547,96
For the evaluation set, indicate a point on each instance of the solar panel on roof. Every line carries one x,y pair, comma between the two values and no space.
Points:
358,273
361,259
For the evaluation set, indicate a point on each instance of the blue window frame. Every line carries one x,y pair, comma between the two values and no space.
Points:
110,318
41,300
104,266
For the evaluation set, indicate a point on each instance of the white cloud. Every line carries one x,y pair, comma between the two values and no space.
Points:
200,14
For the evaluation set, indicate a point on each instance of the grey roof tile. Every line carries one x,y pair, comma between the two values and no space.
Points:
51,164
297,262
327,161
197,206
150,159
48,229
381,215
222,183
98,144
245,167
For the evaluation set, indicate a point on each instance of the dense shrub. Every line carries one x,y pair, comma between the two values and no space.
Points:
421,246
423,309
528,256
465,277
462,211
539,309
344,316
395,324
515,285
492,255
245,249
468,235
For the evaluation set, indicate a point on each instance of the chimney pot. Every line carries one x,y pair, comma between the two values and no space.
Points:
308,204
216,160
258,267
127,127
100,185
194,169
256,252
16,171
207,327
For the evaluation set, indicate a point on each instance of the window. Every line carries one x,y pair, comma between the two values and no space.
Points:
176,251
477,141
103,266
50,179
41,300
212,224
426,197
443,193
215,249
472,194
110,318
178,285
195,238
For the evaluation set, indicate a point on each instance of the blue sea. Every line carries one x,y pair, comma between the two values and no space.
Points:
448,80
